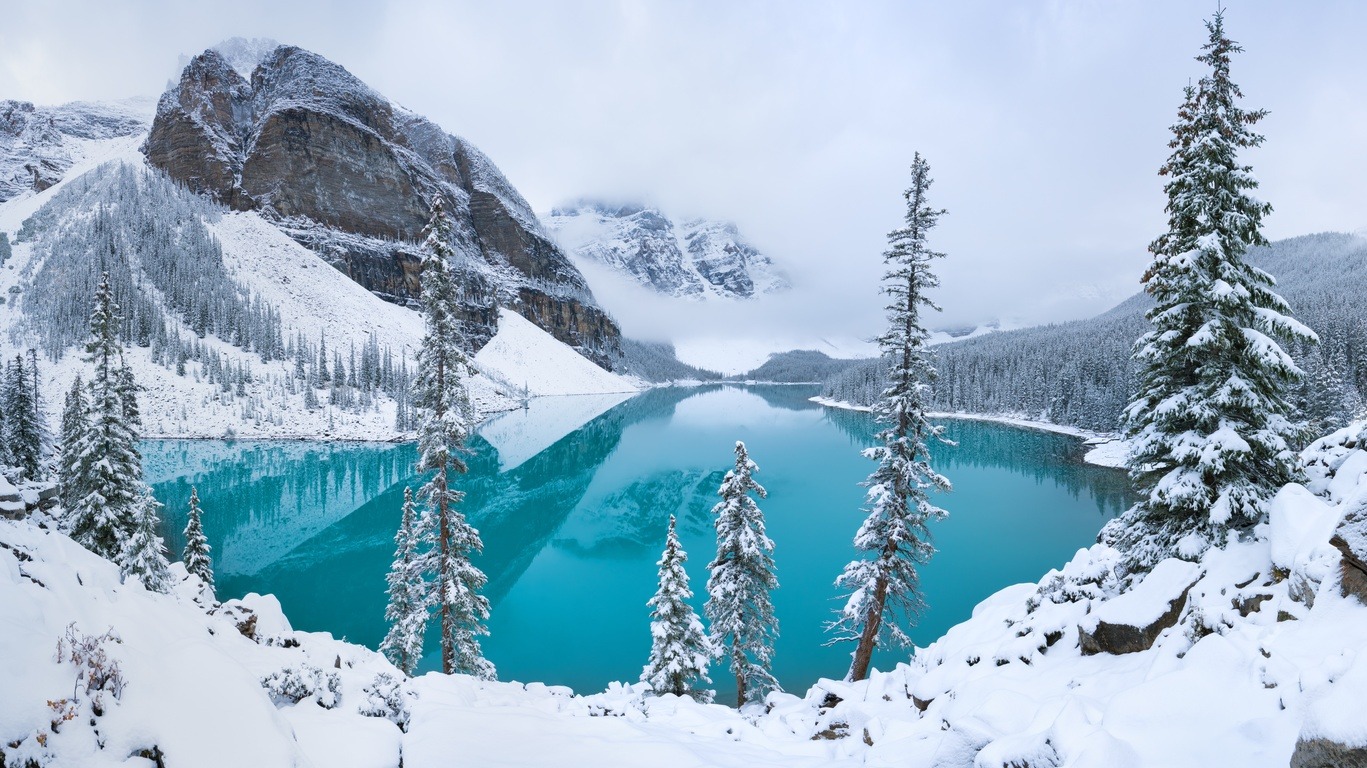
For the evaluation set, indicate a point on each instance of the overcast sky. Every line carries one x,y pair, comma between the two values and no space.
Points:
1044,122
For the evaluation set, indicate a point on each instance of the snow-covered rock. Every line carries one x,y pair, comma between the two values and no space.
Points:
695,258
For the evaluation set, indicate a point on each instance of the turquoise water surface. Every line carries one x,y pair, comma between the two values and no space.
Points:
572,507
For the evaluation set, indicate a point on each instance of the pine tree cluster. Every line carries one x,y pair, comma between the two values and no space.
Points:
110,510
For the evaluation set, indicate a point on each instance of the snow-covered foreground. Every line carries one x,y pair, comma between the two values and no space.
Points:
1232,660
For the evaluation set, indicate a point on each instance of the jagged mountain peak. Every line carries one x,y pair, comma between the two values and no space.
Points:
693,258
348,174
244,55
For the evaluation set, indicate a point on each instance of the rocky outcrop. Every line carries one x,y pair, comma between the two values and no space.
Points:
1133,621
39,144
1325,753
696,258
349,175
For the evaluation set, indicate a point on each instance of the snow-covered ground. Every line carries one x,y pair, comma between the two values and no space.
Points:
1104,449
1259,655
313,298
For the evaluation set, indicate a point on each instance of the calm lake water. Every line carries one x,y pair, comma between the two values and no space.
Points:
572,498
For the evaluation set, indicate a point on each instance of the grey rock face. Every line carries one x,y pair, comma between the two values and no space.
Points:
697,258
348,174
38,145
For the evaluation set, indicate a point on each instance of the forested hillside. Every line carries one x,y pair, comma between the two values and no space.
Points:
1079,373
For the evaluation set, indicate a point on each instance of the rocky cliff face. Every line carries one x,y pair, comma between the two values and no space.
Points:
39,144
349,175
696,258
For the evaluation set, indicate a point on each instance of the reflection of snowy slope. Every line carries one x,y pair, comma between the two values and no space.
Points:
629,517
520,435
282,494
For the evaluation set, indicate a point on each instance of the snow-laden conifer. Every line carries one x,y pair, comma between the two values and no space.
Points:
1210,425
21,428
75,422
680,648
144,553
108,465
442,407
741,577
408,607
884,588
196,554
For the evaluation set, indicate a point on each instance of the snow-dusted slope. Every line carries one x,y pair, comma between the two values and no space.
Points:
39,145
524,358
313,299
696,258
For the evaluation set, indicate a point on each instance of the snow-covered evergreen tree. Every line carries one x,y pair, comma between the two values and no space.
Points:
196,554
741,578
108,465
75,422
409,606
680,648
144,553
442,407
884,589
1211,428
21,428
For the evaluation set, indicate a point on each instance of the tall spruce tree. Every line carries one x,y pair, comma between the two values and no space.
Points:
680,648
741,578
21,428
1210,425
443,410
196,554
884,588
409,605
108,464
75,422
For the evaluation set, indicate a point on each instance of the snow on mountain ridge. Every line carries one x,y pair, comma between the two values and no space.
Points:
694,258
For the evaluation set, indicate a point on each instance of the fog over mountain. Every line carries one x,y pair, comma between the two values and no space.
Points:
798,126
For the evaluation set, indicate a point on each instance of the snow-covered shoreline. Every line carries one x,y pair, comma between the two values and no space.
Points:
1258,660
1105,449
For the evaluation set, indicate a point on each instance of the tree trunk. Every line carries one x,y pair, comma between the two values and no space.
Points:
738,666
863,653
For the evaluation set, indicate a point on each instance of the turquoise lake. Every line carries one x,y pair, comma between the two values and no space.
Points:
572,498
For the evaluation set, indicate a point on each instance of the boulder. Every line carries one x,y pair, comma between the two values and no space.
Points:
1132,621
1324,753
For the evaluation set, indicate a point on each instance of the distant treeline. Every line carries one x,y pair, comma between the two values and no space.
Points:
1080,373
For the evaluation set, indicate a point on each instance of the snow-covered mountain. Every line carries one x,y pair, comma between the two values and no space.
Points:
224,357
348,174
693,258
38,145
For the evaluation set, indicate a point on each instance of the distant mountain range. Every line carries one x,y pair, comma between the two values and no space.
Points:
691,258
